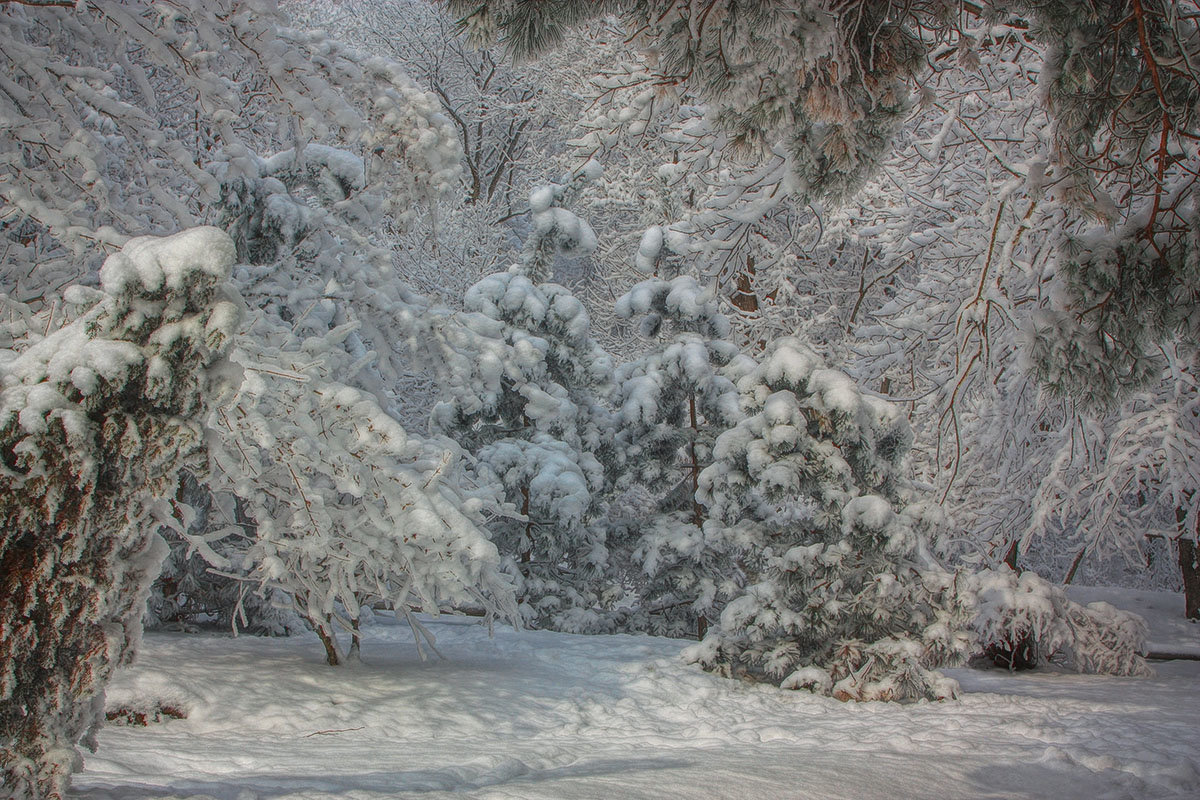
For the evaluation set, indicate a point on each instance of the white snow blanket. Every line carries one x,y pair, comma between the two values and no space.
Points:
536,714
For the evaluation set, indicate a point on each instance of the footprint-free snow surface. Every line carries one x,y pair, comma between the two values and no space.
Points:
534,714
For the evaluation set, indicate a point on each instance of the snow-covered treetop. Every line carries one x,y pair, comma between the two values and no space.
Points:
555,230
809,435
512,297
680,300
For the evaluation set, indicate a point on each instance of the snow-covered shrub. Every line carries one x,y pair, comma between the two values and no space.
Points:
96,419
1023,611
1018,618
807,493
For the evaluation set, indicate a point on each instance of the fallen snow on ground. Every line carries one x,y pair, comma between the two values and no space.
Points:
535,714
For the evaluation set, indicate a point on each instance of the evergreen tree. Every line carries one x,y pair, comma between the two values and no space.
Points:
672,404
96,419
842,596
524,380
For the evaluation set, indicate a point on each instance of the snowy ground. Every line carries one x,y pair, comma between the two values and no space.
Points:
544,715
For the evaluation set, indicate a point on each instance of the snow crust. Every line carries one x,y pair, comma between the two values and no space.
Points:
535,715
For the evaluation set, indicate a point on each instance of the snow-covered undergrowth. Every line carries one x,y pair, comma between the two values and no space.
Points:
536,714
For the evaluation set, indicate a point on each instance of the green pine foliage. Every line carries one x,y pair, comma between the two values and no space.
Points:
672,404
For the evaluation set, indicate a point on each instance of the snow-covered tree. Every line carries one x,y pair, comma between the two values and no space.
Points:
347,508
828,84
1050,169
524,381
808,492
307,225
1121,86
671,405
1138,486
96,419
117,115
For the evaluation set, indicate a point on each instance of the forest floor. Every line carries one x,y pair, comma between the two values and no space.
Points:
534,714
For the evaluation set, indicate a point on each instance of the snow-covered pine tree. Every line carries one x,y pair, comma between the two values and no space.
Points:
1133,281
671,405
843,597
96,419
1124,310
524,381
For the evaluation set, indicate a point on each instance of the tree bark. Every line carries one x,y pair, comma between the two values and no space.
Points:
325,634
697,509
1190,569
527,549
355,640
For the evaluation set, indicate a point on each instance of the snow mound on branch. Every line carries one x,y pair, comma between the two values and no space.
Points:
168,262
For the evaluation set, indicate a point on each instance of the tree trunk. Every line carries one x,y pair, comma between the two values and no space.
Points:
697,510
527,549
325,633
355,641
1190,567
